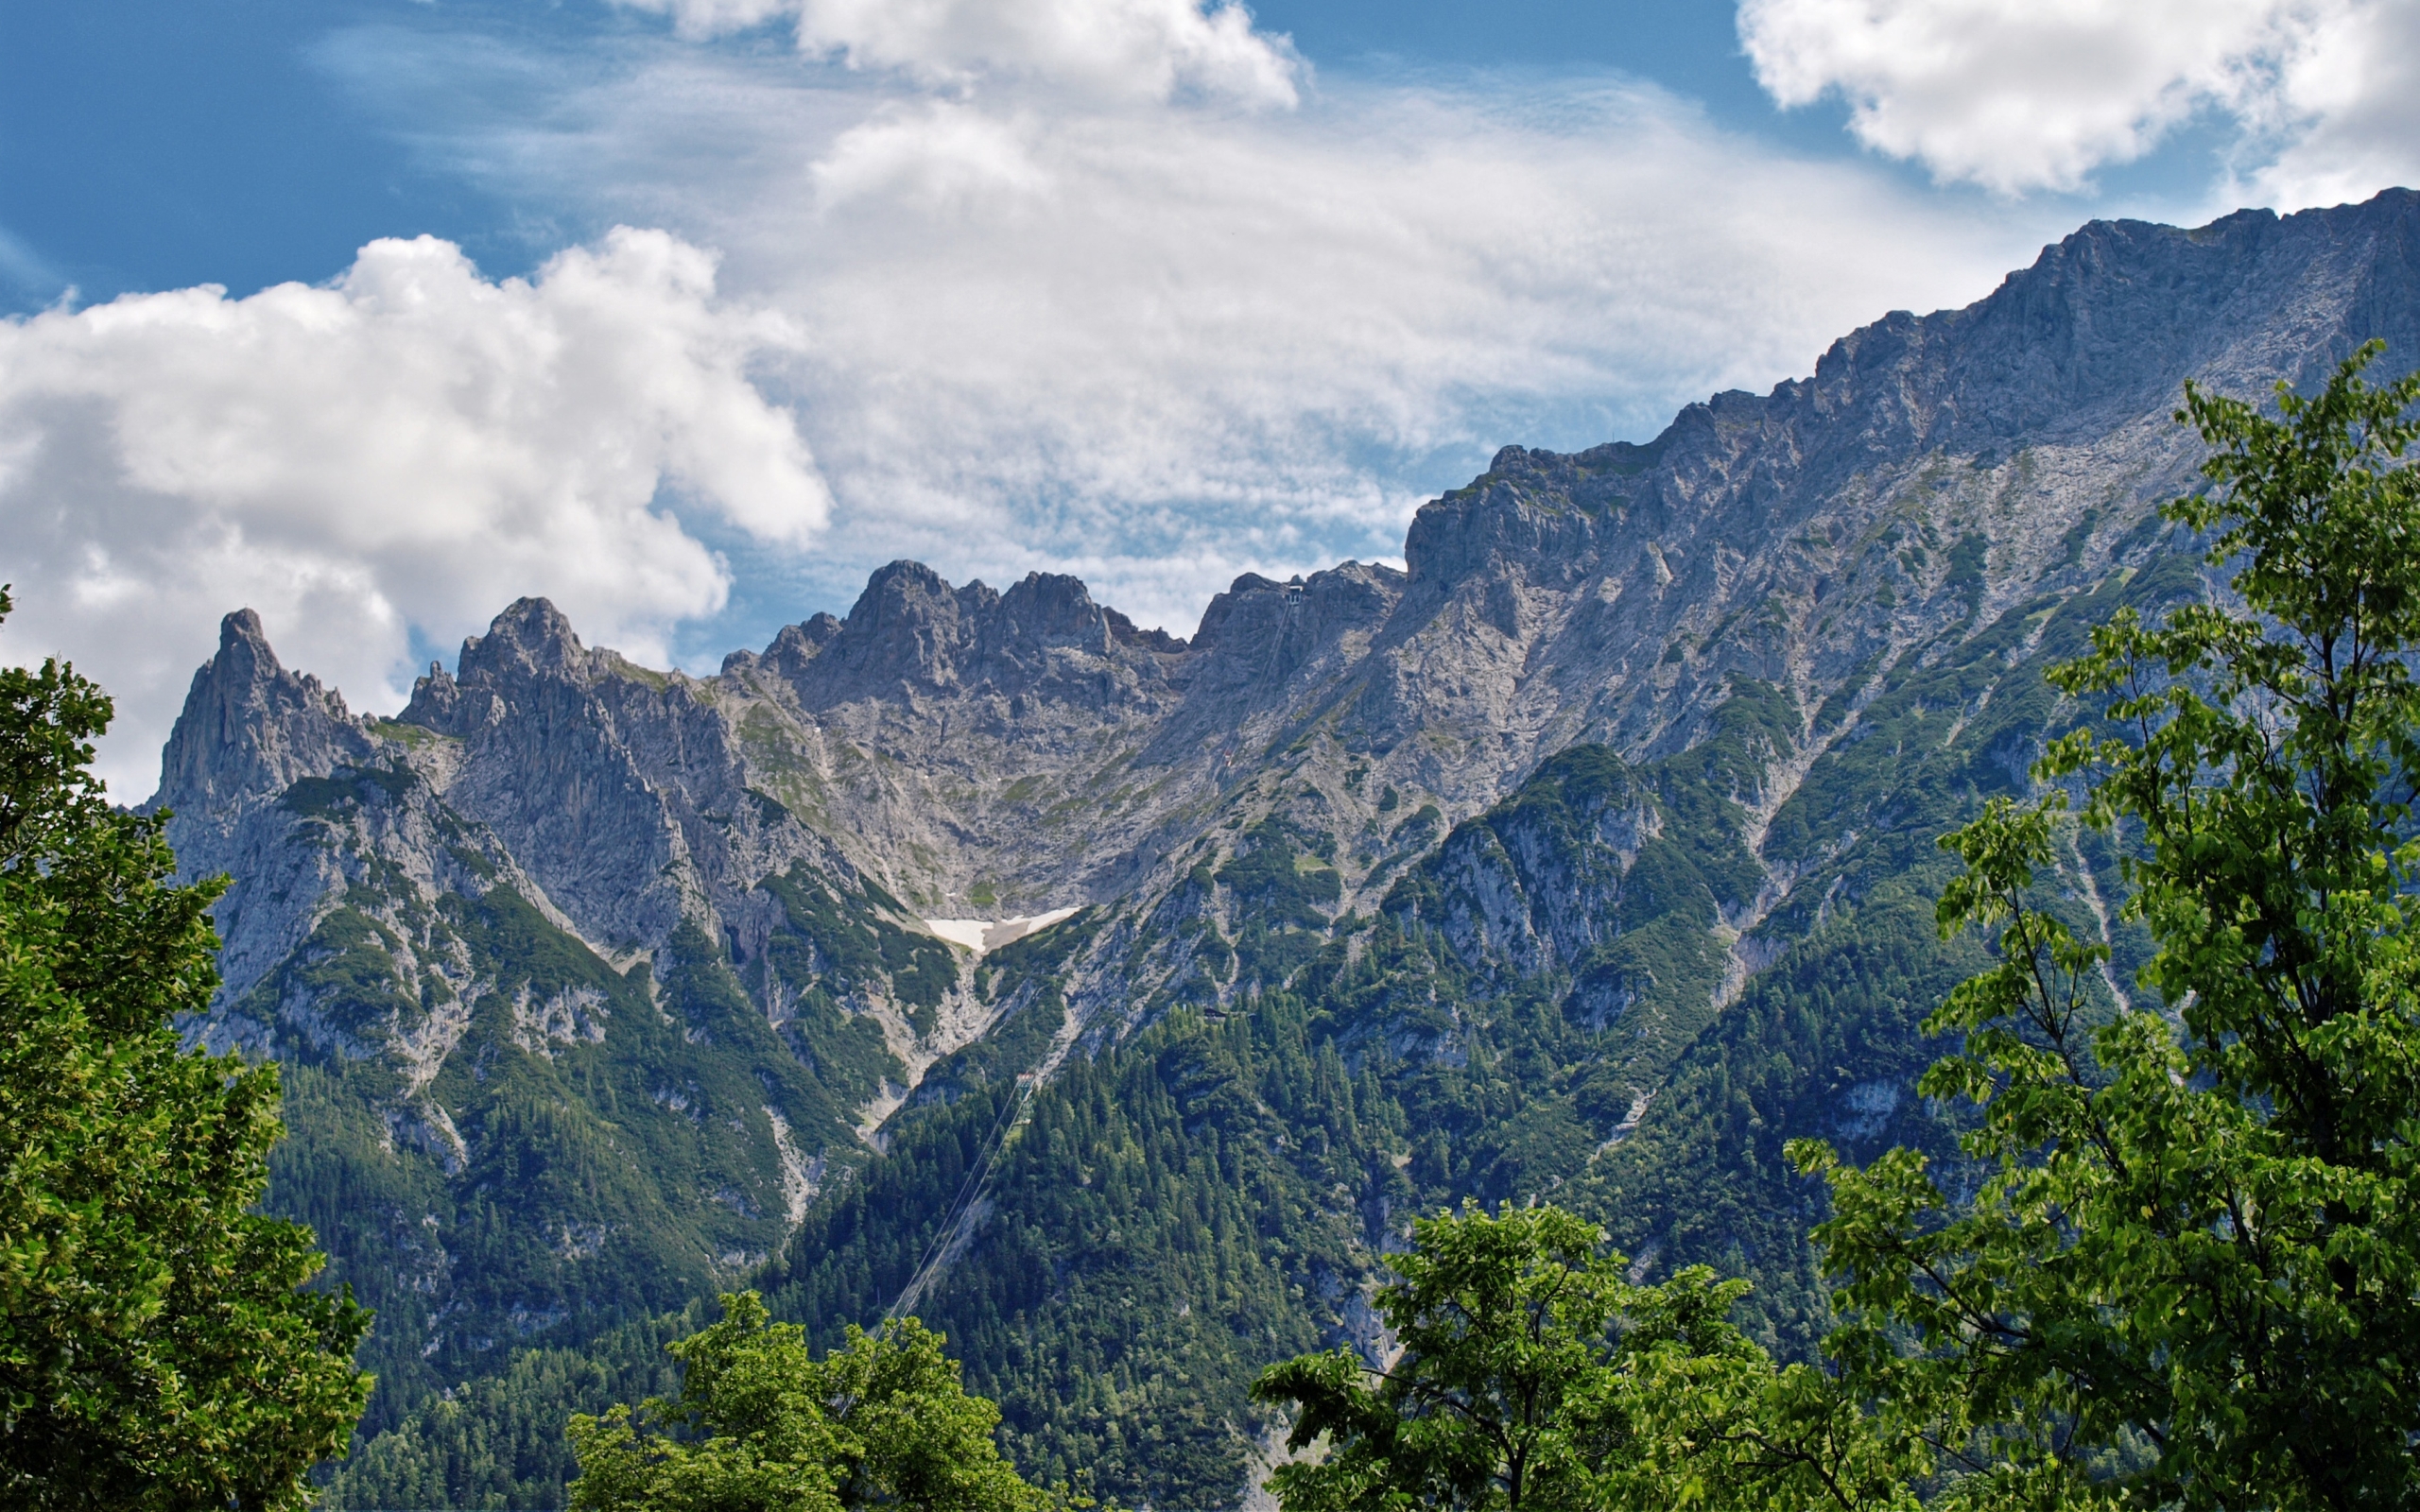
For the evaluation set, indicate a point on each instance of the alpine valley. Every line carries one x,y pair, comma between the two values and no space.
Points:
1113,1001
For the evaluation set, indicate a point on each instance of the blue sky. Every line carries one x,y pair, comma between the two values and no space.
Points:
375,314
155,144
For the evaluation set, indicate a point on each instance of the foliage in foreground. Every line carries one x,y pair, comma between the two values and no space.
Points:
760,1423
2188,1273
1534,1375
155,1348
2191,1276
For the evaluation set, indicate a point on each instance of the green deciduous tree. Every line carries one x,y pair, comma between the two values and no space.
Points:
760,1425
155,1351
2188,1272
1501,1320
1533,1375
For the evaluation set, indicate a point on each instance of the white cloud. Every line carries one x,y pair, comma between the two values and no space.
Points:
1136,335
410,446
938,157
1157,345
2345,112
2023,94
1144,49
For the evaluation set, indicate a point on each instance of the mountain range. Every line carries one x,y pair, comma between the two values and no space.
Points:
1111,1000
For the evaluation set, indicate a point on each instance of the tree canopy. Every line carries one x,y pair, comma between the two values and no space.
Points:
760,1425
1532,1374
2183,1268
156,1348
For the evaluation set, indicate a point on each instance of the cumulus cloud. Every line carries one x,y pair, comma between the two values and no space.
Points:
2345,112
1148,49
2025,95
408,447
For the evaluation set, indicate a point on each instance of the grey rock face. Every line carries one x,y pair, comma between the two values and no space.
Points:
250,731
911,635
1033,749
958,752
554,741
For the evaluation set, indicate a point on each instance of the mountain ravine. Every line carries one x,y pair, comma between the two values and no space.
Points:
1588,856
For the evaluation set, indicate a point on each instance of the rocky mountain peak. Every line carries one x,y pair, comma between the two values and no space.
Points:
241,633
1261,639
911,635
909,627
2107,323
901,592
1048,609
250,729
1265,620
529,644
530,639
1518,512
792,649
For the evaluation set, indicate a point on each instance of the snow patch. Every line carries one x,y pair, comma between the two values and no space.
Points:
984,935
966,932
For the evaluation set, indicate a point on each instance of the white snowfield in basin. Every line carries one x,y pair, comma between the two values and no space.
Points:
982,934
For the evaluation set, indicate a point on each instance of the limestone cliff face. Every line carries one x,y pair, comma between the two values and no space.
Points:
596,775
1458,744
984,753
250,729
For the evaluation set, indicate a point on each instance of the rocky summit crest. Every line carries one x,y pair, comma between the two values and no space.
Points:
250,729
912,635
